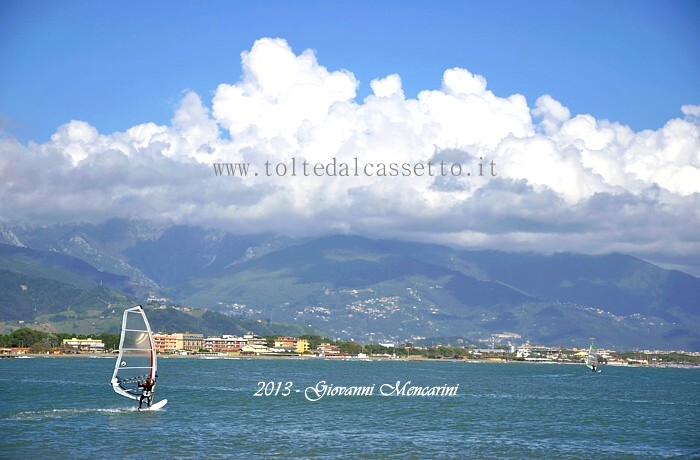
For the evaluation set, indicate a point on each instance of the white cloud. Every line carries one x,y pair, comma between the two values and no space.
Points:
691,110
551,112
279,93
77,140
388,86
563,182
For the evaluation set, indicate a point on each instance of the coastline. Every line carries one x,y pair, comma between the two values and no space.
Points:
350,359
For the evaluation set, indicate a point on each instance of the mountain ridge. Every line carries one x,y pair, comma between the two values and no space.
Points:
368,289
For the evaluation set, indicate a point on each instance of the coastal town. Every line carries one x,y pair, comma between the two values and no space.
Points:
186,344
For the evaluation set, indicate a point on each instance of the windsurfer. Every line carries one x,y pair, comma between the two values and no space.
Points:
147,391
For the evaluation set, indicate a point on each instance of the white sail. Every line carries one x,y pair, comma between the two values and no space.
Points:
137,354
592,357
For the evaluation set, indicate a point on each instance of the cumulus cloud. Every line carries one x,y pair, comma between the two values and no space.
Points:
562,181
389,86
691,110
552,114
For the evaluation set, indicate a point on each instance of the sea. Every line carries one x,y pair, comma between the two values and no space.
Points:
61,407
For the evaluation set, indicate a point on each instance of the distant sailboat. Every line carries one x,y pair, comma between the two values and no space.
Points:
137,356
592,357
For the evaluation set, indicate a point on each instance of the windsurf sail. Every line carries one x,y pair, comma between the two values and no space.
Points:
137,354
592,356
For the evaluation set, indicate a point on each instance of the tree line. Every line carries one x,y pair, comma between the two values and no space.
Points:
405,350
40,341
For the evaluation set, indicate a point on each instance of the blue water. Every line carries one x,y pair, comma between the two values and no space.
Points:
65,408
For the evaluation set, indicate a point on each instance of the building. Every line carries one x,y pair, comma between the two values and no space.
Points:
166,343
192,342
224,344
302,346
290,345
252,339
327,349
11,351
532,352
169,343
488,351
285,342
508,335
255,349
78,345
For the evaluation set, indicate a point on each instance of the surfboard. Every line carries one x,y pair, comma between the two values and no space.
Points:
155,406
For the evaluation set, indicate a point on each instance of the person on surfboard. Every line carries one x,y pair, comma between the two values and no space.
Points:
147,391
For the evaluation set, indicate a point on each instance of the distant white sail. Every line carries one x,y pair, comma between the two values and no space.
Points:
592,357
137,354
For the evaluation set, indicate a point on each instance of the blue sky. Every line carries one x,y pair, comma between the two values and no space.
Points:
118,64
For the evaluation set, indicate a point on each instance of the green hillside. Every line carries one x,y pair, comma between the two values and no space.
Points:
57,293
353,287
58,267
371,290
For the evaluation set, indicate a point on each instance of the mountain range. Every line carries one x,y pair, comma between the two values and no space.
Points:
347,286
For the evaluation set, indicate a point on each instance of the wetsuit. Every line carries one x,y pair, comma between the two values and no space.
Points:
147,392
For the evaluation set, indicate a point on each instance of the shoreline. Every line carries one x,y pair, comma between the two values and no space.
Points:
350,359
